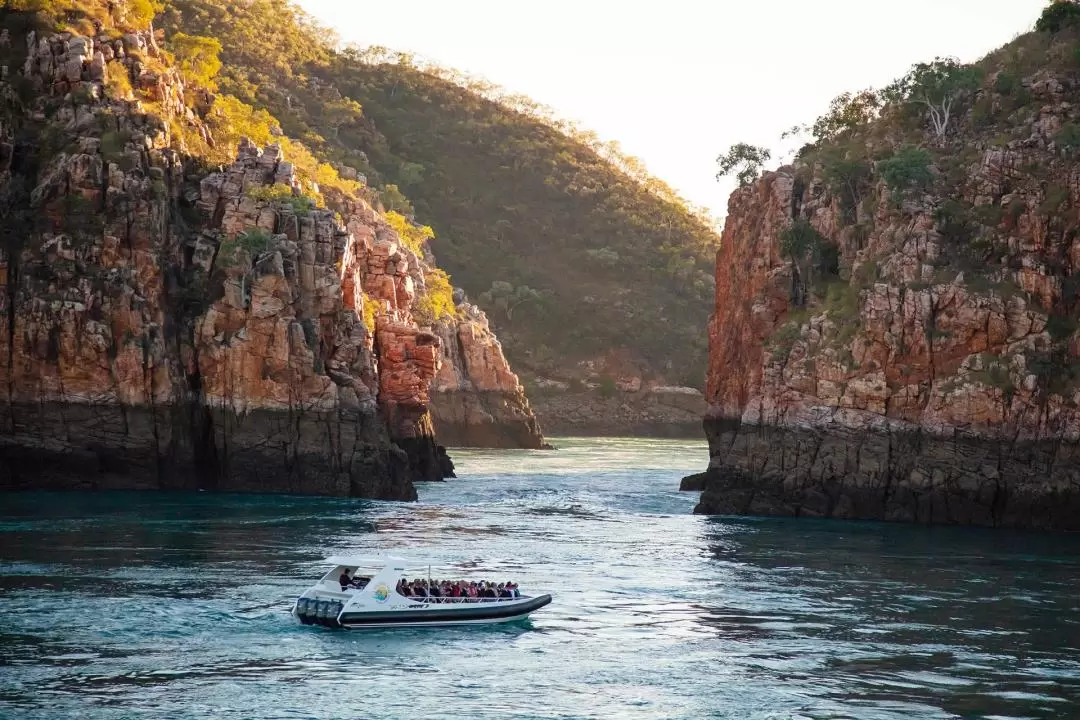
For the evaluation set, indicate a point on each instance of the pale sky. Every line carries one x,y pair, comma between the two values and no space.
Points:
676,82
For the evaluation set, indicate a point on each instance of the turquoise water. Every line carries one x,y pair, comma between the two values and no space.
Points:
129,605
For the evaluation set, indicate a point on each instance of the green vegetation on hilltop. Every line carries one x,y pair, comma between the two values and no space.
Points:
604,257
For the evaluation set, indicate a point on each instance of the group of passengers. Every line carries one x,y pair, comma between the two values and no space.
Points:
446,590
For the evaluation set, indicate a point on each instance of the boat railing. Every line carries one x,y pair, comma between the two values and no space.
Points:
451,599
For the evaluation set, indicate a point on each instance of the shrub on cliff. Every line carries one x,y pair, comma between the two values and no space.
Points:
393,200
197,57
908,169
848,177
412,235
283,195
814,257
437,300
118,84
253,241
369,311
1059,15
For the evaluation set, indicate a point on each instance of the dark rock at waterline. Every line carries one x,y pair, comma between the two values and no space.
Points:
695,482
75,446
903,476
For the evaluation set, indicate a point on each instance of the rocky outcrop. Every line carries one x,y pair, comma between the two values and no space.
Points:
477,401
161,327
932,375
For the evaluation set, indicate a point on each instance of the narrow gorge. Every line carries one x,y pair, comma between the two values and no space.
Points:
895,326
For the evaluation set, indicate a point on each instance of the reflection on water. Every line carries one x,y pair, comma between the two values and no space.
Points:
125,605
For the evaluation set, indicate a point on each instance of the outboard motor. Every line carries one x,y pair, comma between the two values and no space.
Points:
304,610
321,612
332,616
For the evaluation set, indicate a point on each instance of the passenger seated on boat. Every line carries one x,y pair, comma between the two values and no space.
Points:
440,591
345,581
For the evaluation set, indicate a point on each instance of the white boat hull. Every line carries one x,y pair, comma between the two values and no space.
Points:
441,623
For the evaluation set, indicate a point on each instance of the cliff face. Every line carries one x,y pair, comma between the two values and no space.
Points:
165,327
477,400
933,376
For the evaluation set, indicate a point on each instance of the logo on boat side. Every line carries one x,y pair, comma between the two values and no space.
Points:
382,593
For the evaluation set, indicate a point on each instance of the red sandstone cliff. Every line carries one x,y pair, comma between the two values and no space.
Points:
934,376
477,400
162,327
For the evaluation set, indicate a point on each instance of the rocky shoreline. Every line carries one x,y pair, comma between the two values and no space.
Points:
71,446
895,472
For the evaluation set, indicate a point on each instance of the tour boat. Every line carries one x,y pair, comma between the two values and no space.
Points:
372,600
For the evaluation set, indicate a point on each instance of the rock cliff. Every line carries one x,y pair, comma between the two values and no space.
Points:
477,400
919,361
164,326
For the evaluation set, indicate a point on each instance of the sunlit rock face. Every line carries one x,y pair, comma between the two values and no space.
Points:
916,385
166,327
477,400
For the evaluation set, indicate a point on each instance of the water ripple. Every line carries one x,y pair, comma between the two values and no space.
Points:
129,605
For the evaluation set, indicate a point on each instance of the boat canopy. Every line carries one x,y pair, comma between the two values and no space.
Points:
370,561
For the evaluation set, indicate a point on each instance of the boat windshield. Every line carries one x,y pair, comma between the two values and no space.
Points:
350,577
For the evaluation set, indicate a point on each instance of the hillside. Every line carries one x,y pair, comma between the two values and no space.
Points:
895,327
575,257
